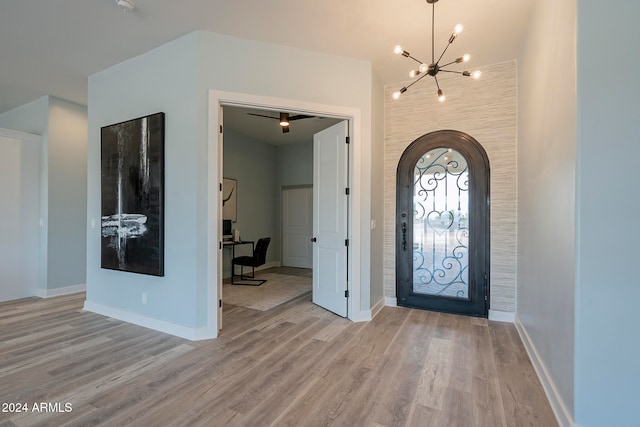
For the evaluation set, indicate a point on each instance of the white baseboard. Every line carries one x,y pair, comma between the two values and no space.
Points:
192,334
391,302
361,316
502,316
367,315
377,307
56,292
557,405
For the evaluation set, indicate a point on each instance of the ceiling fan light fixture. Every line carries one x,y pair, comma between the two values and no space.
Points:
435,67
126,5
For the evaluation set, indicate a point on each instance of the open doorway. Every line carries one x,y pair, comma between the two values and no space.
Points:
351,120
268,174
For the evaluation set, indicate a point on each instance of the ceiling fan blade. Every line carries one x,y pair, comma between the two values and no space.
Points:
285,129
300,116
260,115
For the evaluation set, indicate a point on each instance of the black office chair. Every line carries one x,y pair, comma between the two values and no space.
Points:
259,258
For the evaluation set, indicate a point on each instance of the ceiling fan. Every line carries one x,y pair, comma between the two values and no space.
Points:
284,119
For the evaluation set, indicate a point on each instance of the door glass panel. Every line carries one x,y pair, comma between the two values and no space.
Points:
441,225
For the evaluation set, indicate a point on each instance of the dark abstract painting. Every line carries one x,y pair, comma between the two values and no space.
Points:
133,195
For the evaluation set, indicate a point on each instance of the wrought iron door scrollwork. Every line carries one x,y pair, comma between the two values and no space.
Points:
441,235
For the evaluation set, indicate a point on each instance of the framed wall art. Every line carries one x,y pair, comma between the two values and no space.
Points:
229,199
132,195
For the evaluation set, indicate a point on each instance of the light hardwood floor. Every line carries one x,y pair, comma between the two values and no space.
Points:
294,365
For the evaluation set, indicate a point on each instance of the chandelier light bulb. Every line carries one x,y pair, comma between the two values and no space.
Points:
414,73
423,68
398,50
458,29
441,96
396,94
476,74
466,57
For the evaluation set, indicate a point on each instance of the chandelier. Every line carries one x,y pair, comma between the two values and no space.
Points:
434,67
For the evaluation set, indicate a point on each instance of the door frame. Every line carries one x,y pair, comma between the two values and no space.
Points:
479,199
218,99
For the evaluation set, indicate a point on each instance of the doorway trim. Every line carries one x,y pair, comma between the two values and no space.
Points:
218,99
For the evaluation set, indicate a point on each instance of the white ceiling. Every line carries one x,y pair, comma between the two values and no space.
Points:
50,47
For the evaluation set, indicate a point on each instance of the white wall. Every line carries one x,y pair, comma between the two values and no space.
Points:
486,110
33,117
607,339
546,203
19,214
175,78
63,128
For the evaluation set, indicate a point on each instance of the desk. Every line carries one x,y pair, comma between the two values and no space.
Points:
233,245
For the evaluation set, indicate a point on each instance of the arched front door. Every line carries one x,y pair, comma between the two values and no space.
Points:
442,225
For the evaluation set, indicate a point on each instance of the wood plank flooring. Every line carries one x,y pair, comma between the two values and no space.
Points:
294,365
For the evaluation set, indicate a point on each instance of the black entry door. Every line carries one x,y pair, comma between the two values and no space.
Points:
442,223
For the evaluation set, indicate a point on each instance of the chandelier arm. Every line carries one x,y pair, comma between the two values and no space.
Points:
449,63
417,80
437,84
450,71
444,51
415,59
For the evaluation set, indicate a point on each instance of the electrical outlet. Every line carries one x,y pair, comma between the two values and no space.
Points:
373,224
144,297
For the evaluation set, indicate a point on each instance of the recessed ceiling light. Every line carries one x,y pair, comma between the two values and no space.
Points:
126,5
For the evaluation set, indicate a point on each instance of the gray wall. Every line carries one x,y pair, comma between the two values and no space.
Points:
162,80
253,165
486,110
607,339
67,141
295,164
63,127
546,180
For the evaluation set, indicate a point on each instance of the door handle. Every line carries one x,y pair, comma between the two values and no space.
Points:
404,236
313,239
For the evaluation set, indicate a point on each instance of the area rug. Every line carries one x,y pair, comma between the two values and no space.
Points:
278,289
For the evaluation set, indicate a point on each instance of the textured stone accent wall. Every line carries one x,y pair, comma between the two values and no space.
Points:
486,110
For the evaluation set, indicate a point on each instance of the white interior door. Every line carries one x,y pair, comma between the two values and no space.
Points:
330,181
297,227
